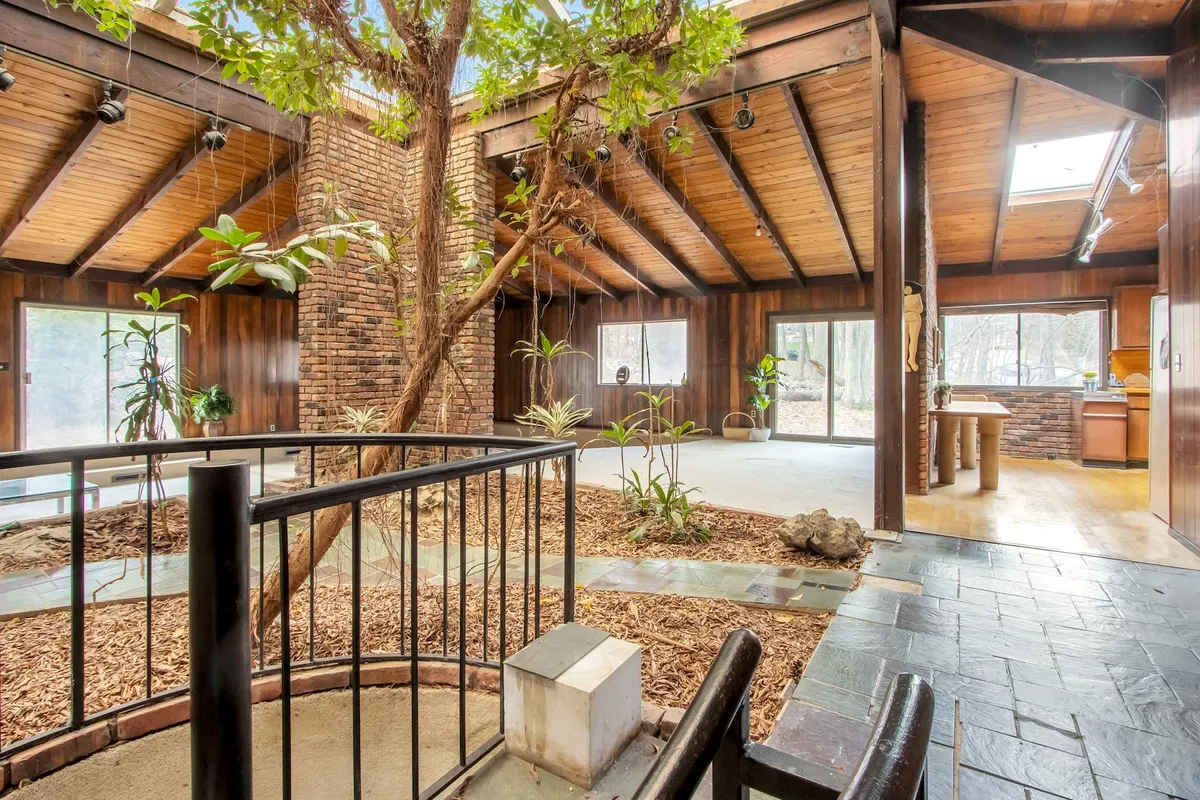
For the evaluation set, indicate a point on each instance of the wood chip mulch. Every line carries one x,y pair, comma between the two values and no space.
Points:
109,533
680,635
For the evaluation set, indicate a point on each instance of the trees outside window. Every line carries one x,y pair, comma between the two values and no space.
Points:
1051,348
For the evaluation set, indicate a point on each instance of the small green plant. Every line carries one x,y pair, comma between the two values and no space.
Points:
545,355
212,404
558,420
943,386
763,376
622,434
1090,375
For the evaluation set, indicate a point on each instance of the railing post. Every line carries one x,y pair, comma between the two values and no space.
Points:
219,620
569,539
727,781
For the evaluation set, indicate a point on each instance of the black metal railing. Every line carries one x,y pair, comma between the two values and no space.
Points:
225,518
715,731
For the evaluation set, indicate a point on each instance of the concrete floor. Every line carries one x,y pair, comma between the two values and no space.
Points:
157,767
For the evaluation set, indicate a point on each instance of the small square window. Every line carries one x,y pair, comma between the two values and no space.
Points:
654,352
1058,167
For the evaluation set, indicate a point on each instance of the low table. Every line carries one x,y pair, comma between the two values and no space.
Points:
44,487
991,418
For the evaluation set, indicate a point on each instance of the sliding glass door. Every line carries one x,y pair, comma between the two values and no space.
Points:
72,370
827,388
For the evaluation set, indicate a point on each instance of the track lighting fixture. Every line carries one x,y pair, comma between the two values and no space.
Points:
1123,175
603,153
758,227
743,118
215,138
1085,256
1099,230
7,79
519,173
672,132
111,110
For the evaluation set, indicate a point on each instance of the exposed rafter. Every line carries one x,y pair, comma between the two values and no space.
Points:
1103,188
650,167
988,41
70,155
182,164
1010,156
1135,46
1132,258
887,22
533,275
591,180
238,203
967,5
725,157
574,264
795,104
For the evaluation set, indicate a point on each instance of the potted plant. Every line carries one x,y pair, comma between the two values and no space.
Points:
943,394
1090,381
210,408
763,375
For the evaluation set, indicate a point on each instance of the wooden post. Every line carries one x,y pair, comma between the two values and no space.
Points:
889,117
915,270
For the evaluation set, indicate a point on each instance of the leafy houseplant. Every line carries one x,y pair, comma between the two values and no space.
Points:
763,375
211,407
1090,382
557,420
943,394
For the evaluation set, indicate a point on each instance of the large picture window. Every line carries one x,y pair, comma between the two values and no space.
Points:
654,352
1041,346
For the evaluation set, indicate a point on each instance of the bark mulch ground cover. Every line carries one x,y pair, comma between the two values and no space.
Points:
681,637
109,533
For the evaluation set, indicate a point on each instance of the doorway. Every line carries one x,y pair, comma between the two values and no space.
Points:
827,388
73,360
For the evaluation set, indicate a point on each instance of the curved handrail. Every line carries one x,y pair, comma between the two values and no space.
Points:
57,455
893,764
682,763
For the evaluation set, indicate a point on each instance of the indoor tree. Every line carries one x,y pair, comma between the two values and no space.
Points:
610,67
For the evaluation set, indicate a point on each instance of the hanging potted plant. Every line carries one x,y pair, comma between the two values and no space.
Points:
211,407
763,375
943,394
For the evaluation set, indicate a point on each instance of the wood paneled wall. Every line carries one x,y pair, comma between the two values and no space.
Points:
1036,286
1183,169
247,344
726,333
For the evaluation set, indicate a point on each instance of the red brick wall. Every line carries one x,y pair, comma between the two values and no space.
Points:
350,354
1041,423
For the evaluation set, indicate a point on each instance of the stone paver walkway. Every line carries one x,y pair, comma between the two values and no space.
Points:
1066,676
756,584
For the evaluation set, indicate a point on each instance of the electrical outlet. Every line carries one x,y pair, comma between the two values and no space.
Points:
272,428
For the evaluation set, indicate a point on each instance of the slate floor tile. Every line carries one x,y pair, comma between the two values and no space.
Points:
1065,617
941,587
849,670
1165,656
934,651
1027,763
1142,759
986,715
1168,719
971,689
1017,648
1034,673
821,736
1072,702
867,613
927,620
983,668
932,568
1099,647
1115,790
1050,736
868,637
1140,688
1046,716
1071,586
1047,600
1189,632
833,698
977,597
980,786
939,772
1037,557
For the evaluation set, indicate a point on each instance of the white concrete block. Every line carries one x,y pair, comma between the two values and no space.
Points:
574,725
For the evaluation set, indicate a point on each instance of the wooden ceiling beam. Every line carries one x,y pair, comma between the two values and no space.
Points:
990,42
1010,157
532,274
70,155
981,269
191,285
641,156
1103,189
570,261
969,5
591,181
887,22
795,104
234,206
593,240
166,180
145,63
1130,46
724,153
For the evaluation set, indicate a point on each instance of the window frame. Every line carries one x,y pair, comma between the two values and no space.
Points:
19,346
1064,193
1100,304
687,352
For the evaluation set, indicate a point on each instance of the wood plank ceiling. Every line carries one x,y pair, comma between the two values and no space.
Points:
709,226
99,209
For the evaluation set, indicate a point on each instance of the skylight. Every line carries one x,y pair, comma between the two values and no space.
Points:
1060,165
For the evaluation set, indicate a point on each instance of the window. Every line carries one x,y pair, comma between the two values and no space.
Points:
1047,346
655,352
72,370
1048,170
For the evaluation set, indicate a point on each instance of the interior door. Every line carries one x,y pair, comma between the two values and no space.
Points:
802,396
853,379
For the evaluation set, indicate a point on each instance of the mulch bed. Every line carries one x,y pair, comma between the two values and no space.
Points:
681,637
109,533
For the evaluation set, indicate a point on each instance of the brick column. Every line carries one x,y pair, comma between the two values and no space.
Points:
350,354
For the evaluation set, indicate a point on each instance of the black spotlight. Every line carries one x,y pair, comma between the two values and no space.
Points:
519,173
672,132
603,153
111,110
215,138
7,79
743,118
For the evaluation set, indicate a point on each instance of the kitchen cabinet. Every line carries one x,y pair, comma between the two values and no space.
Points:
1130,316
1137,431
1101,420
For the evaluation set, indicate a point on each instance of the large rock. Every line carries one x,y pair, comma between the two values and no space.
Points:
822,533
